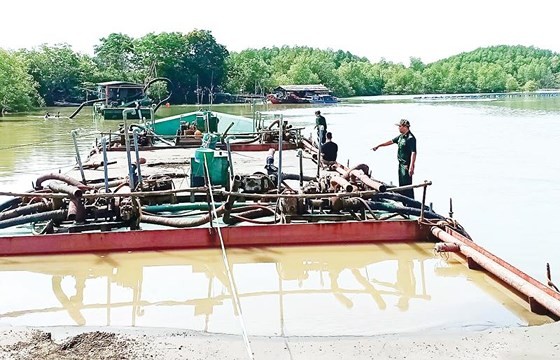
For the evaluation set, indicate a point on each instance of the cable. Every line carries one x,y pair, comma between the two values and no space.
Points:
235,296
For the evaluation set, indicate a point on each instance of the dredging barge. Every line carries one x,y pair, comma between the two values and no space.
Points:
235,196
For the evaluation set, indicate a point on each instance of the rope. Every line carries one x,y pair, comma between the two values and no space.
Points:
235,296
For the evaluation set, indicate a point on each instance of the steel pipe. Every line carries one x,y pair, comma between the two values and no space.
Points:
280,140
78,158
510,275
105,169
76,211
135,133
65,178
127,147
339,181
374,184
230,161
66,189
447,247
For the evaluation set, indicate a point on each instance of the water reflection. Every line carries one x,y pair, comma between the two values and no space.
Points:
350,290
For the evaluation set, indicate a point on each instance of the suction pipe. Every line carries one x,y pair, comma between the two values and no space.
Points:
127,145
526,285
78,158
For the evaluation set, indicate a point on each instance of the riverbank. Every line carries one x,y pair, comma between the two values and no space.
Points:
535,342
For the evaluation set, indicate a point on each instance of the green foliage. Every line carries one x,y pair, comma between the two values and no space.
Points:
158,91
17,88
248,70
494,69
114,58
530,86
268,68
511,83
192,62
197,65
58,70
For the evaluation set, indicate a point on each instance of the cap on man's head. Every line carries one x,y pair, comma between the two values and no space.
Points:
404,122
317,112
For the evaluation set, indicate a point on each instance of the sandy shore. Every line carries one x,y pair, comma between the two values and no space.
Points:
536,342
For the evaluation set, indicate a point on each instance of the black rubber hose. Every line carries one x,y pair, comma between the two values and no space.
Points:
405,210
170,90
10,203
24,210
409,202
58,215
89,102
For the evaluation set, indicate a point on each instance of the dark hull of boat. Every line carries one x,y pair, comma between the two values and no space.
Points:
117,114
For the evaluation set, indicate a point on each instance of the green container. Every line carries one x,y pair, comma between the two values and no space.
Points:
201,153
210,140
218,169
212,123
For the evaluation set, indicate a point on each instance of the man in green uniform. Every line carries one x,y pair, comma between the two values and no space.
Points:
320,121
406,155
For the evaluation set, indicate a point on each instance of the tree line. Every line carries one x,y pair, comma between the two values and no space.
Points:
197,65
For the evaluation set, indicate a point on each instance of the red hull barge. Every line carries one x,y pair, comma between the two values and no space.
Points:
197,238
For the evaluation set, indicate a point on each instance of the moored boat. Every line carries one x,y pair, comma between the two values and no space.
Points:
113,97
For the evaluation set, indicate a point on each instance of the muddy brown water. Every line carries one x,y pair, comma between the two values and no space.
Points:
493,159
290,291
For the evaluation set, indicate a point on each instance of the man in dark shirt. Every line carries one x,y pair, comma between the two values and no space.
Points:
329,150
320,121
406,155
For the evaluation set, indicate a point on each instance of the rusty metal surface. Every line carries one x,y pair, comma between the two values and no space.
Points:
540,298
503,263
196,238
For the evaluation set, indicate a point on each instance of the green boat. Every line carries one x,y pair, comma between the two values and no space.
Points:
205,121
114,97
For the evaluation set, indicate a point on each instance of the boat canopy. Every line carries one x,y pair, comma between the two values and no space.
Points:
317,88
120,84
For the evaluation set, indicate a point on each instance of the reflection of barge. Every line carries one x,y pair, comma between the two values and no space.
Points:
388,283
241,194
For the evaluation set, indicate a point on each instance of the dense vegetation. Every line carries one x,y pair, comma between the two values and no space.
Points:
198,65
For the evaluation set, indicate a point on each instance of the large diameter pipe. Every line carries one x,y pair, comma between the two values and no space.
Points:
78,158
517,279
47,215
180,222
230,161
300,156
228,206
65,178
376,185
66,189
359,173
76,211
135,134
339,181
127,147
24,210
105,169
10,204
280,140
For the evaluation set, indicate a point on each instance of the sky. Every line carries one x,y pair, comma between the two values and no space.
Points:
394,30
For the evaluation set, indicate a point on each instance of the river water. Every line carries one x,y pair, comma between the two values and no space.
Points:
496,160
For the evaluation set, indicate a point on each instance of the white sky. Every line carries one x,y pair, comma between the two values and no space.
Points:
393,29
